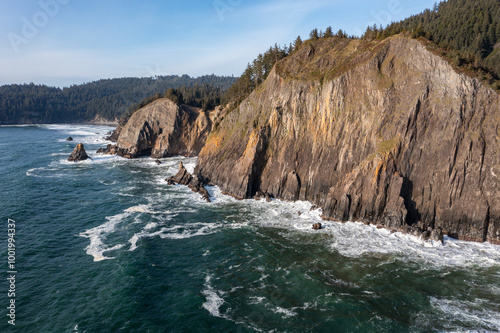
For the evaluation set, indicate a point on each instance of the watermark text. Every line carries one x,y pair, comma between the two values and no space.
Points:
31,26
11,271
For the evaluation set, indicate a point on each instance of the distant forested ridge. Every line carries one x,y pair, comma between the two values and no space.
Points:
106,100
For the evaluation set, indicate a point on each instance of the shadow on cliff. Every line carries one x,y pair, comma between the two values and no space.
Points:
413,216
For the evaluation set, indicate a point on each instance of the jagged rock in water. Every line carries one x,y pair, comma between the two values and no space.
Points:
69,139
113,135
382,132
158,162
78,154
163,129
183,177
114,150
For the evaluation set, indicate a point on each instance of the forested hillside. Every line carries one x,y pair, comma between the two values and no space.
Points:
468,31
104,99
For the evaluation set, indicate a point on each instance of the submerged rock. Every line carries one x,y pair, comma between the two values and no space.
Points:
158,162
69,139
317,226
78,154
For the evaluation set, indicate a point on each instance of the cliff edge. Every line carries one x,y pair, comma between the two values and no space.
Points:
382,132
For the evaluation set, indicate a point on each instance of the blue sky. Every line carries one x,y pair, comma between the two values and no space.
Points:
64,42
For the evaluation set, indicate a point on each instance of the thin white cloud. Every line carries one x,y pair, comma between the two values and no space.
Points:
292,7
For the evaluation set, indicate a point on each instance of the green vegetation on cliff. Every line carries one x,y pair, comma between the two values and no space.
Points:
257,72
205,96
467,31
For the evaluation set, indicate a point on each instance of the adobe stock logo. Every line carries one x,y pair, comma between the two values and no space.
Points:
31,28
224,6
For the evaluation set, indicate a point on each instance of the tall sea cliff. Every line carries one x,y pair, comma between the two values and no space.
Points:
384,132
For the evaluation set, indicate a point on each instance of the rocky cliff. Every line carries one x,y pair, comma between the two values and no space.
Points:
383,132
162,129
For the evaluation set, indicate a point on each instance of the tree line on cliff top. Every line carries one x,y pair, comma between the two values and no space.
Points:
467,32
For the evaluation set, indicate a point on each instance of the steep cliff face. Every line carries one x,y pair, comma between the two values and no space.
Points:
383,132
163,129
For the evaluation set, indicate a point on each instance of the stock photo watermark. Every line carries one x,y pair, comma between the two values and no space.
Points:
11,271
224,6
31,26
382,17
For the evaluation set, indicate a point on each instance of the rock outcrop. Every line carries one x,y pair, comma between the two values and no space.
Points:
69,138
183,177
78,154
382,132
114,134
162,129
317,226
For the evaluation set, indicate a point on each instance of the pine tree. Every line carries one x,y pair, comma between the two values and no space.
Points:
314,34
297,43
328,32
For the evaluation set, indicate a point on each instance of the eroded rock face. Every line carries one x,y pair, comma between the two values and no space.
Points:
78,154
162,129
398,139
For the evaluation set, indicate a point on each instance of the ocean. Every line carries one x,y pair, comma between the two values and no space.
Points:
105,245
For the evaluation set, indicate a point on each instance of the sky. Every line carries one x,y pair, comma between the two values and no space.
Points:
65,42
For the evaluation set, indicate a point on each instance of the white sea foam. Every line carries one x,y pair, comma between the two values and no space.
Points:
150,226
94,159
256,299
87,134
213,298
350,239
140,209
285,312
467,313
177,232
354,239
43,172
193,230
29,172
190,165
97,235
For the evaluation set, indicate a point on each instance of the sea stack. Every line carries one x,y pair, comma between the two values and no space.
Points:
78,154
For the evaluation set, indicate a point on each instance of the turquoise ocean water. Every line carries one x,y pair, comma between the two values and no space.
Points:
106,246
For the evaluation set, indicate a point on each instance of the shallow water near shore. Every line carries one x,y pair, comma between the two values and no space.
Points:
105,245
